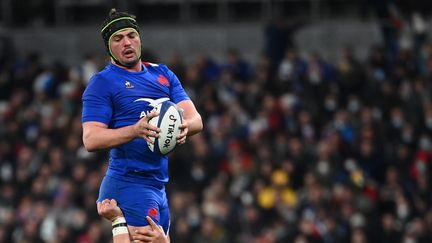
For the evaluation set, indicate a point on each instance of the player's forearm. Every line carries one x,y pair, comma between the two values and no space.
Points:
193,118
120,230
99,138
123,238
195,125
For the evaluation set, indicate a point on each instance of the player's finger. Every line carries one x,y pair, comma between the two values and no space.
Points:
144,122
113,202
99,207
181,138
139,241
183,125
152,133
152,223
161,229
142,238
150,116
148,139
155,226
146,128
182,135
149,136
101,204
183,132
147,231
181,141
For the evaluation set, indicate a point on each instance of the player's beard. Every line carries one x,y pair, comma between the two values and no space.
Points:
131,63
134,61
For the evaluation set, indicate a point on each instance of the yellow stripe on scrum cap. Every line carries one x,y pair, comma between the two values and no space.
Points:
115,20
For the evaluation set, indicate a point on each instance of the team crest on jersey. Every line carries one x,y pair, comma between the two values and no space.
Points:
129,85
153,212
162,80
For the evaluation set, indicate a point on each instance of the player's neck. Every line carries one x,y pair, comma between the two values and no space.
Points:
135,68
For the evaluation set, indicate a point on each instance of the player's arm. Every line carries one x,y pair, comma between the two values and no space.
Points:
155,234
192,122
150,234
121,238
109,210
97,135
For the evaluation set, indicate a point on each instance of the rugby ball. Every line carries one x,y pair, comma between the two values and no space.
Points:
168,120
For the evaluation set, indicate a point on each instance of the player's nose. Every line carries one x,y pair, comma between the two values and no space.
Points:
127,42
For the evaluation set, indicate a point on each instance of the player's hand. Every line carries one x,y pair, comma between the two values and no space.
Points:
144,129
152,234
109,209
181,138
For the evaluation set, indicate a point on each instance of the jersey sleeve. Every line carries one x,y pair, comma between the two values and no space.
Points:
97,105
177,93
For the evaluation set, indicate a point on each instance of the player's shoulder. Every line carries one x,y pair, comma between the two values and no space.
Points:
106,72
102,75
98,82
151,64
161,67
97,78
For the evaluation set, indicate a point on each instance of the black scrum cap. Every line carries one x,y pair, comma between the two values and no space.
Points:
116,22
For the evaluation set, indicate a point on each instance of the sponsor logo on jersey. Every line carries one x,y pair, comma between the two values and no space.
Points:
129,85
151,102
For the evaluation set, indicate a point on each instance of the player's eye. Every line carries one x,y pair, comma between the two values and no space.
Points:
132,35
116,38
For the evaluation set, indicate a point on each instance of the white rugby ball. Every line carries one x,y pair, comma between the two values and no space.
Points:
168,120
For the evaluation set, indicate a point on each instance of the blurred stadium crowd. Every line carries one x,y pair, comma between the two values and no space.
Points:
295,149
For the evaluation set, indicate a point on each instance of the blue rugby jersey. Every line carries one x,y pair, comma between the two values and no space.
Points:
118,98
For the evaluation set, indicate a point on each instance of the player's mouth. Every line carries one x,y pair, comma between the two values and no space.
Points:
128,53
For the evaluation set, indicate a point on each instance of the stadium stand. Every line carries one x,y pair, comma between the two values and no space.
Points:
299,146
